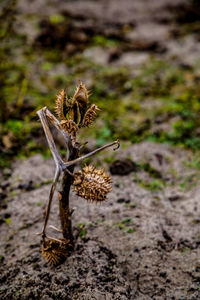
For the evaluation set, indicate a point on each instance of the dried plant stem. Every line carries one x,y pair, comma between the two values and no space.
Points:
79,159
56,156
53,187
65,212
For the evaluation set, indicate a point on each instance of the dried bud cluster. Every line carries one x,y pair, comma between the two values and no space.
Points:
92,184
75,110
54,251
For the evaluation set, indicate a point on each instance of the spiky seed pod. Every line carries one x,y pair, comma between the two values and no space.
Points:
75,109
90,115
54,251
61,105
81,97
69,126
92,184
81,94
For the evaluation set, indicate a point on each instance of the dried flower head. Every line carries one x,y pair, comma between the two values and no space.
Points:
54,251
92,184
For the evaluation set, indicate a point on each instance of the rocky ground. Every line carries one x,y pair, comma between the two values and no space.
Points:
143,242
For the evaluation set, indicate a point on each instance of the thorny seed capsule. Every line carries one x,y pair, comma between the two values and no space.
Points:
54,251
90,115
75,111
92,184
61,104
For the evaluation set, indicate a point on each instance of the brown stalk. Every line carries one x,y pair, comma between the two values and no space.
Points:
65,212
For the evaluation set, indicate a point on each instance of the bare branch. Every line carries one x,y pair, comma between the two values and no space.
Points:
79,159
56,123
56,229
53,187
52,146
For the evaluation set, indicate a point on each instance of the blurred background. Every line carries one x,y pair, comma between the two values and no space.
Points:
140,58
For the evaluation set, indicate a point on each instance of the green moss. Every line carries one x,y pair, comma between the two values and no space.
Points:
149,169
100,40
126,221
83,231
194,162
152,185
189,181
155,185
17,127
8,221
13,193
131,205
56,19
46,66
124,224
109,159
185,250
131,230
121,226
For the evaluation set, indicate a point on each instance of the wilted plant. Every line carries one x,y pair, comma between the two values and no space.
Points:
89,183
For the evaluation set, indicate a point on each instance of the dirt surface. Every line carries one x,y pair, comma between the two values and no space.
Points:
144,28
143,243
